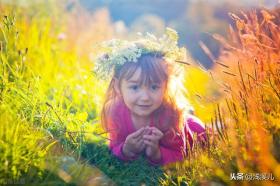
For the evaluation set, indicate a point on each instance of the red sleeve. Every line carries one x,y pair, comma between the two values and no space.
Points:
117,130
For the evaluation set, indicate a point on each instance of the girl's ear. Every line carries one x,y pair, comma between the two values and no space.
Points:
117,86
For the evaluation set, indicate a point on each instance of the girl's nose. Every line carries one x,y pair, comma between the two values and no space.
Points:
144,95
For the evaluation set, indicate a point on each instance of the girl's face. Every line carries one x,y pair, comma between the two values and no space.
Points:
141,99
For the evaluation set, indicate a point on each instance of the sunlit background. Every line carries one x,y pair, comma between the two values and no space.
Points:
195,20
50,132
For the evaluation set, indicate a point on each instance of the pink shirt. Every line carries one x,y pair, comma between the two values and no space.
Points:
172,145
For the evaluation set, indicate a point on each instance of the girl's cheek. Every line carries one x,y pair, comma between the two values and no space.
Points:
158,96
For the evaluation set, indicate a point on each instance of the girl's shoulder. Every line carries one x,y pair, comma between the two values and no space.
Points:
190,118
166,118
114,107
193,123
118,112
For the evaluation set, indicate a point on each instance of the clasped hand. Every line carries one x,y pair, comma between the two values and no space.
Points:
145,139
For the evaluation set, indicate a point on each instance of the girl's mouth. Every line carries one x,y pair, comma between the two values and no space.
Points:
144,106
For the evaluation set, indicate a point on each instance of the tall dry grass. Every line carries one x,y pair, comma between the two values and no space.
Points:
246,137
249,68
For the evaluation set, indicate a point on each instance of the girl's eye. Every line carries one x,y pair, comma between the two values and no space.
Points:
155,87
134,87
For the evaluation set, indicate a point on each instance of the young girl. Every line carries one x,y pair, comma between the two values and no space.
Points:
140,112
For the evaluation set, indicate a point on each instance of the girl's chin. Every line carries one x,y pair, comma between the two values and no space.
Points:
143,113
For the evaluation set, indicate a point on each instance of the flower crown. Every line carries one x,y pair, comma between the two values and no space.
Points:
118,52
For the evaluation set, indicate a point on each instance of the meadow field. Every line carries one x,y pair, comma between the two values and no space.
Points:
50,101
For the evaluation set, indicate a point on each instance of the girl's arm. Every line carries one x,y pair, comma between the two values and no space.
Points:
117,132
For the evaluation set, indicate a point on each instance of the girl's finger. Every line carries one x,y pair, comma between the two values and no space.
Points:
156,136
139,137
157,132
138,133
139,142
149,143
142,145
150,137
147,130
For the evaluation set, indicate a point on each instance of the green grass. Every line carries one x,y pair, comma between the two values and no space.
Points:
122,173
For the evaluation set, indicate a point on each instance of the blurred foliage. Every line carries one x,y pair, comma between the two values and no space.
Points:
41,89
202,92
